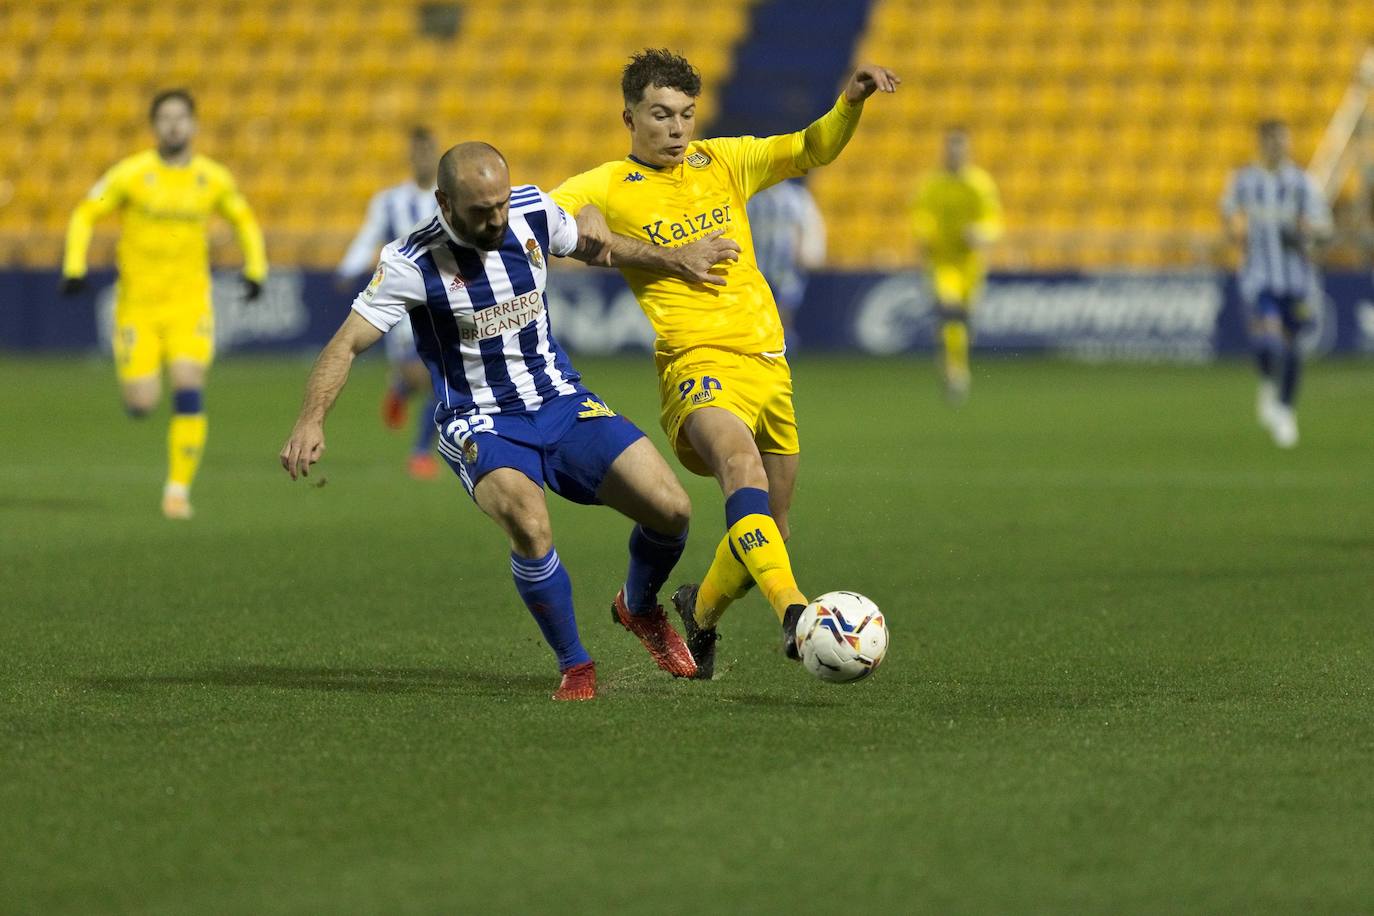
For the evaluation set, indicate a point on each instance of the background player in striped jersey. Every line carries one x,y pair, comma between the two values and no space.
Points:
1277,214
514,414
163,318
724,384
390,214
956,215
789,242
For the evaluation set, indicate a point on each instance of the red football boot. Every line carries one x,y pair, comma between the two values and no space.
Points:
394,409
422,466
579,683
658,636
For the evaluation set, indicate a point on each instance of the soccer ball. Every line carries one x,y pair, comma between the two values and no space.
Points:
842,637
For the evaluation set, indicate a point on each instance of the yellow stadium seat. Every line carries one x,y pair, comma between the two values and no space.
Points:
1110,114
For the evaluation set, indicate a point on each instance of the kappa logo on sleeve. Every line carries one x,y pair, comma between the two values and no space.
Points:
633,176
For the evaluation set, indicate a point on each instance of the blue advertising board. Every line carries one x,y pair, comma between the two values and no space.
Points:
1128,316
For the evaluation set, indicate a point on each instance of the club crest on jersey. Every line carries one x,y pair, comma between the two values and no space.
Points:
470,451
375,282
633,176
698,160
594,409
534,254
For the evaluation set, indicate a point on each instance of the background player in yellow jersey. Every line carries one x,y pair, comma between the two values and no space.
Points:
724,384
956,215
162,303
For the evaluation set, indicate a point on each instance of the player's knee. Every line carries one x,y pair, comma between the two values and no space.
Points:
675,510
530,533
743,469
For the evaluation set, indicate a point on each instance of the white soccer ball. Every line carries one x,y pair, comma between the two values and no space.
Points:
842,637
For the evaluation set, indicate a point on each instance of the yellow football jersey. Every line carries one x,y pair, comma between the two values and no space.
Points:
947,205
673,206
163,250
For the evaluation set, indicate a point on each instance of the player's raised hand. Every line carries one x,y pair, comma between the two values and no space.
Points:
252,289
593,237
304,448
868,79
696,261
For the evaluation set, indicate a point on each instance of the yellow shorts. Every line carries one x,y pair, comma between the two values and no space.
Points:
958,284
757,389
146,339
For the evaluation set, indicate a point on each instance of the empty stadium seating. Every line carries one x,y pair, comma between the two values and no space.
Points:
1109,124
309,102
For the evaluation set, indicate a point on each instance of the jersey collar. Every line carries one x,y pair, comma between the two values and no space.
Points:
637,161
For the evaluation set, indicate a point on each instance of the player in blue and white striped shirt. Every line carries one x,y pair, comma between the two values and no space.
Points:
1277,214
390,214
513,412
789,242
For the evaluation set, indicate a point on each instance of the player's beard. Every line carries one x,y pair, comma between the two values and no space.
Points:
170,149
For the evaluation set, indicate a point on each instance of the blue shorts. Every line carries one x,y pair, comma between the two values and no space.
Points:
1292,311
569,444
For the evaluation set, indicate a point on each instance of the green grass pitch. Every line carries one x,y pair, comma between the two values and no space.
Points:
1130,668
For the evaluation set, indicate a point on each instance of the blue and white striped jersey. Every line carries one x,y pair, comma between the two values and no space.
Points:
480,318
789,236
1272,202
390,214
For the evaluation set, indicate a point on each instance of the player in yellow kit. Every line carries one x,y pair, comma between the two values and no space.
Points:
162,304
956,215
724,384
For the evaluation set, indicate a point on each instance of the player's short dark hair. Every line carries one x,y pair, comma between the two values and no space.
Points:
167,95
1271,125
658,67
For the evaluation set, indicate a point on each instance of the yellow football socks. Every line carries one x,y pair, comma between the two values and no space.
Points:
185,443
756,543
727,580
956,348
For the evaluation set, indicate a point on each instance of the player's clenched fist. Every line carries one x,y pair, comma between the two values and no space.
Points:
593,237
868,79
303,449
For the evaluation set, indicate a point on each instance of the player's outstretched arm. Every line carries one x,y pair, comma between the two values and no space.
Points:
695,262
598,246
868,79
823,140
306,443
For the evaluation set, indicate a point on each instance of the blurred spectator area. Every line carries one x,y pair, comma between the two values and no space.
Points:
1110,125
308,102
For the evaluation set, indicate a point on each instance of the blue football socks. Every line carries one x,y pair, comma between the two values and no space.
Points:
652,558
546,589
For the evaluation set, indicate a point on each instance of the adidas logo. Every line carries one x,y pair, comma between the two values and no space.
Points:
634,176
456,285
